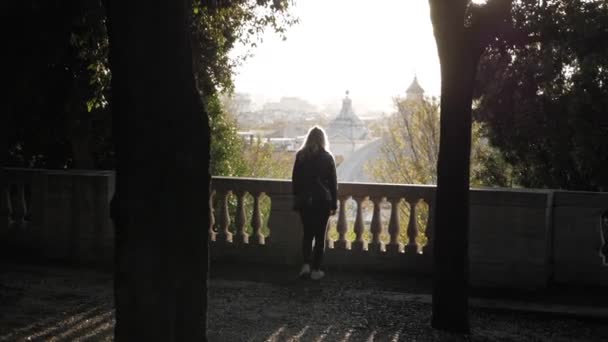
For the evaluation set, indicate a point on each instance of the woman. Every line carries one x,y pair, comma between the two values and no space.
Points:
315,191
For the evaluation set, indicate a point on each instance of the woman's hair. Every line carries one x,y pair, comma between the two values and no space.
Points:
316,140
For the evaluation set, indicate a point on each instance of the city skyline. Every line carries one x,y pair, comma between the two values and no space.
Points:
372,51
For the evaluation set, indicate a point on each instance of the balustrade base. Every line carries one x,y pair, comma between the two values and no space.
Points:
7,223
392,249
224,238
341,245
358,246
375,248
241,239
411,249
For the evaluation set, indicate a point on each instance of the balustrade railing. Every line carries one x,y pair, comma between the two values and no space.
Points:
370,217
19,201
241,209
518,237
385,203
58,214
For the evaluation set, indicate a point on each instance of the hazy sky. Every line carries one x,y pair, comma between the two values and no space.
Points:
372,48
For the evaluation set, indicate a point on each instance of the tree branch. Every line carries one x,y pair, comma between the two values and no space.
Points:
488,22
447,17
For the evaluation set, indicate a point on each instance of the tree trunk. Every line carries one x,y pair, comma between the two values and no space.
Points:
451,261
161,135
450,253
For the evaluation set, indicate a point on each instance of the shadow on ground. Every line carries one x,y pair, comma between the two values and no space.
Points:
262,304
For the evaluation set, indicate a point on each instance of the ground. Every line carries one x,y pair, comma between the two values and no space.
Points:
54,303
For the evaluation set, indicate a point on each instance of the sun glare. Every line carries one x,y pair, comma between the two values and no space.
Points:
373,51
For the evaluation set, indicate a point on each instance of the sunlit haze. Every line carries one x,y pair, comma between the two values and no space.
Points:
372,49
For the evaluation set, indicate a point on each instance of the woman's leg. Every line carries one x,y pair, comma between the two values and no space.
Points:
320,228
308,225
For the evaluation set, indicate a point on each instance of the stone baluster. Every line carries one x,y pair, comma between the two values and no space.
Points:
256,221
342,226
224,233
19,208
394,226
359,243
212,233
376,226
412,229
429,231
240,219
5,209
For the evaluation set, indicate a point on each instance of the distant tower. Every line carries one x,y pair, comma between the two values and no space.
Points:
414,92
347,124
346,131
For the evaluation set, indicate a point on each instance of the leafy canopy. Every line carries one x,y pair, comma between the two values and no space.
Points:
410,147
545,102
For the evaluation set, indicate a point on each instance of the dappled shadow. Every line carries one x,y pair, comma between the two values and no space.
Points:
258,303
88,323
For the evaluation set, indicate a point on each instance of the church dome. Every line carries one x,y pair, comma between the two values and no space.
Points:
347,125
414,92
415,87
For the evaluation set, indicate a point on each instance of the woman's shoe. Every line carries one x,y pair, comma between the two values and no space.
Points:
304,271
317,274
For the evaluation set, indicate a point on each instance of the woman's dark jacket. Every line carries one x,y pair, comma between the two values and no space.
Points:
308,170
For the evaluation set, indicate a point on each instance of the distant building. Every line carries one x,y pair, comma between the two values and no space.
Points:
290,105
347,133
414,92
352,169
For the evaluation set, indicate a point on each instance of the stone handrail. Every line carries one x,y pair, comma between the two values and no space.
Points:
392,193
517,237
58,214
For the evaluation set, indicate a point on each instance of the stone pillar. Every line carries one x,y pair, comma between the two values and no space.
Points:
412,229
376,227
5,207
394,227
358,244
342,224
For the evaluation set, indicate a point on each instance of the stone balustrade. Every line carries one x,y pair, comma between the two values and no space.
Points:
54,214
518,238
282,244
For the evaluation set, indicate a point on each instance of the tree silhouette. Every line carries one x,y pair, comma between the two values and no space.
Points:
159,209
462,31
545,103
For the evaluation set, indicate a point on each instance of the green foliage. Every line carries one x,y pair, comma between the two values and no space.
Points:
216,30
410,148
59,95
545,101
232,156
226,147
264,162
59,82
488,166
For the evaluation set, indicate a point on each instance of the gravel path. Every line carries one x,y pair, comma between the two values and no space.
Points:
255,304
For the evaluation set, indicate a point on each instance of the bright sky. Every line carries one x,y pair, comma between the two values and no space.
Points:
372,48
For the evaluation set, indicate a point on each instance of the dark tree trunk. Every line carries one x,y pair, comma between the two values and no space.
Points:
460,42
450,280
161,134
450,252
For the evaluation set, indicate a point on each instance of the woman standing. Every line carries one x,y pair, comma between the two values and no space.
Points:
315,189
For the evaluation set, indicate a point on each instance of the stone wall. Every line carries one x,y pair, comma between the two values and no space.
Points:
577,238
59,215
526,239
508,238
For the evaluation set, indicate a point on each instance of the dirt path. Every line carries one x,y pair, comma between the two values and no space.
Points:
256,304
